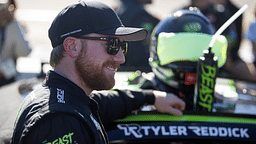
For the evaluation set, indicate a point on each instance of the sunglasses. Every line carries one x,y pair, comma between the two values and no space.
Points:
114,44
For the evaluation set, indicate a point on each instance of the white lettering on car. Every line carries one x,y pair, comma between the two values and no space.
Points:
139,131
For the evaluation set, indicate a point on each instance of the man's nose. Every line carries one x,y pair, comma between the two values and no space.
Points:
119,57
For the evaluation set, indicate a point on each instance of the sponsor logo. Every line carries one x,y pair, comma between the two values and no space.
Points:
60,95
137,130
220,131
201,131
206,89
192,27
66,139
72,32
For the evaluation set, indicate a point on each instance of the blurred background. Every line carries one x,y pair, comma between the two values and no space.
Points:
37,15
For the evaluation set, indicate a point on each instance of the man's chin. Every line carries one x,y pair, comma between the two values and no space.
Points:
108,86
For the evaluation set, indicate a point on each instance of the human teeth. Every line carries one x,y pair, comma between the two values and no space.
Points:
111,69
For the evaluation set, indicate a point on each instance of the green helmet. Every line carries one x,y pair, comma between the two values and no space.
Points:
177,42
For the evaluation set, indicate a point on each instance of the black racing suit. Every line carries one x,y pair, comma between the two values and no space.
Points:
60,112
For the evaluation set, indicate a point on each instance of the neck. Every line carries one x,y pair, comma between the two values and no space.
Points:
70,73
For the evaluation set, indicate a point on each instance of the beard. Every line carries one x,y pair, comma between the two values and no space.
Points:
92,75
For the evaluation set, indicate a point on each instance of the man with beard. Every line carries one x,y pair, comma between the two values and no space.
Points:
86,39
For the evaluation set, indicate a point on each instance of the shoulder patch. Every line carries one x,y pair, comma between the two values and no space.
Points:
60,95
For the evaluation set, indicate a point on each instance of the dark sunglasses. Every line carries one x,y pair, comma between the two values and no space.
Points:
114,44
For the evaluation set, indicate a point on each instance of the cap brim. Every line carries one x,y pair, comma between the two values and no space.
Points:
129,33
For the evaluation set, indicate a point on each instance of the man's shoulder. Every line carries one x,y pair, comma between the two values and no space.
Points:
48,94
58,127
52,104
60,119
41,101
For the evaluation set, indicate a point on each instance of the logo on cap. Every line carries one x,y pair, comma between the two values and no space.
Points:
69,33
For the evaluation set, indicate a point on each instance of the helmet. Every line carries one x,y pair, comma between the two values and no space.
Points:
177,43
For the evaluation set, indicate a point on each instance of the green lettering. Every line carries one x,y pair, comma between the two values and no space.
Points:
204,99
208,81
60,141
55,142
208,70
204,89
207,86
209,106
70,137
66,139
45,142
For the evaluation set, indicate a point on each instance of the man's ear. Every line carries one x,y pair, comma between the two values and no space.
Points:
70,46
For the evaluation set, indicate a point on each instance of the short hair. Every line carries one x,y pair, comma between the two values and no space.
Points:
56,55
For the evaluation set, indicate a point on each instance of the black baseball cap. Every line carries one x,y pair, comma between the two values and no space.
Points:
85,17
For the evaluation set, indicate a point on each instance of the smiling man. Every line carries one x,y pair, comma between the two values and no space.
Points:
94,65
89,44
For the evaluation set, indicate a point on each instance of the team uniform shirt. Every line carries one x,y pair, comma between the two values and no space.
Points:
60,112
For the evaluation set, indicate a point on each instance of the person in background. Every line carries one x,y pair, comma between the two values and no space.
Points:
222,11
202,5
218,12
89,45
133,13
235,66
13,42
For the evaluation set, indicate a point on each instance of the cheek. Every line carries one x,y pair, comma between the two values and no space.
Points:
97,53
100,57
99,61
97,50
96,58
